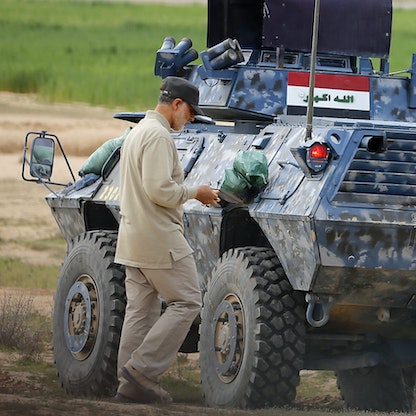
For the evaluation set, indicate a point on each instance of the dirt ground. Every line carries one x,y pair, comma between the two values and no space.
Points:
81,129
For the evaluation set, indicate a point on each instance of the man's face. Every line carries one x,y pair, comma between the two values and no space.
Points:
184,113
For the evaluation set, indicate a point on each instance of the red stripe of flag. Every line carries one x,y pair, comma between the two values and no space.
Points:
340,82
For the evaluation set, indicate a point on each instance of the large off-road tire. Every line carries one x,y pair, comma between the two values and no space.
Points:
88,315
252,332
379,388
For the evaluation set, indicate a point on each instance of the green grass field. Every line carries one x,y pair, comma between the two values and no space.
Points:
103,53
403,43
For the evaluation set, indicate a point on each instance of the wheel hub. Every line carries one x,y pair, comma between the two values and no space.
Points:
228,338
224,339
81,317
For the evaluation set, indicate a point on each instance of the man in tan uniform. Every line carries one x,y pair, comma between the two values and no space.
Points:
151,244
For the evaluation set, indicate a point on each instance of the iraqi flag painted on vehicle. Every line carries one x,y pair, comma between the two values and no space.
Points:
334,95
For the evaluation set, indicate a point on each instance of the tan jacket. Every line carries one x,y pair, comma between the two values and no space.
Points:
152,194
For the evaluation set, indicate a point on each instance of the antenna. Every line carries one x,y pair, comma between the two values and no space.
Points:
309,113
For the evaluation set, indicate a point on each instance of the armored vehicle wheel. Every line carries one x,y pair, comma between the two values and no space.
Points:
252,332
88,316
379,388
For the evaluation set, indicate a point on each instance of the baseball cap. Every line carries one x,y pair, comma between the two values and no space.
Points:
175,87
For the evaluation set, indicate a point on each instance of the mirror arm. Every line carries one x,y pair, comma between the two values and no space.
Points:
64,155
46,185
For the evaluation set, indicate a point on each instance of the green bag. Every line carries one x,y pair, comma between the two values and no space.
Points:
249,175
252,165
235,183
96,160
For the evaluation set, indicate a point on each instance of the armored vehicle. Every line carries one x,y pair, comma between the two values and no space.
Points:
313,268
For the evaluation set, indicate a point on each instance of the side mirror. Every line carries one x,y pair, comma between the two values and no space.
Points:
41,158
39,165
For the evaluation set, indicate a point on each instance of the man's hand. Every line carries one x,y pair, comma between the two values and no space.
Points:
207,195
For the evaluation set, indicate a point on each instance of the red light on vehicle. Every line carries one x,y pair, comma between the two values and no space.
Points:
317,157
318,151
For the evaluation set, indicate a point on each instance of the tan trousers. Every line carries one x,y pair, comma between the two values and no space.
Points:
150,341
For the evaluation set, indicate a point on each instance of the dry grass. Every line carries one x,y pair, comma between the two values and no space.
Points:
19,328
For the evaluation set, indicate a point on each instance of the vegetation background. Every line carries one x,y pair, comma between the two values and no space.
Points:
101,54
